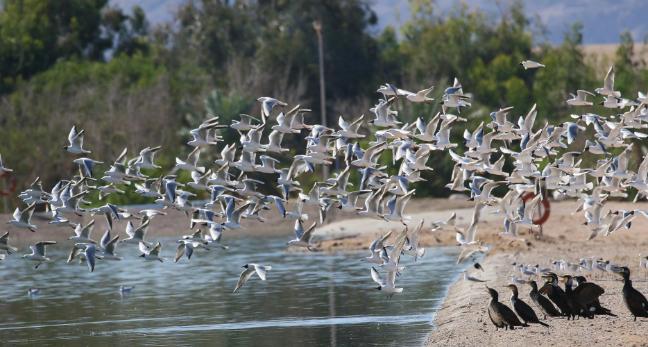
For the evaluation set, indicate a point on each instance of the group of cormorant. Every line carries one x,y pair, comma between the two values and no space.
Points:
579,298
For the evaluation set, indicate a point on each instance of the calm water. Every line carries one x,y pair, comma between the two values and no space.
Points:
308,299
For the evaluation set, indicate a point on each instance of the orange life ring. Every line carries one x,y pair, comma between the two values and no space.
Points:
11,187
546,208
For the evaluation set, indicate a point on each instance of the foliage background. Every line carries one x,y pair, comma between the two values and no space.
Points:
65,62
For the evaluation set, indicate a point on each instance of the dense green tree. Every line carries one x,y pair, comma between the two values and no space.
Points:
34,34
276,40
566,72
108,70
629,66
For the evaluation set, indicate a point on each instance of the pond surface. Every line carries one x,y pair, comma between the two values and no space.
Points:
313,299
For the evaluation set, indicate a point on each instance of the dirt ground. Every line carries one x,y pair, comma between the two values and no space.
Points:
463,318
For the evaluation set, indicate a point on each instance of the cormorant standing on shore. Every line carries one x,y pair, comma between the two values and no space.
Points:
578,300
555,293
522,309
595,306
543,303
634,300
500,314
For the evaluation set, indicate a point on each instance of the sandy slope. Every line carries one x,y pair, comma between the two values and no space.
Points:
463,320
340,228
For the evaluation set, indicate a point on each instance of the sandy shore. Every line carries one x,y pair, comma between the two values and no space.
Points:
342,231
463,320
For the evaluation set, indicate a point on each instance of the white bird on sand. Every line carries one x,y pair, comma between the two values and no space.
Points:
251,269
517,280
530,64
471,278
38,253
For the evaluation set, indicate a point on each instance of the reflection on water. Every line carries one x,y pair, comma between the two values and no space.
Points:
308,299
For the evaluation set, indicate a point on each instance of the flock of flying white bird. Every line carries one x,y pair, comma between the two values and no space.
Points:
232,195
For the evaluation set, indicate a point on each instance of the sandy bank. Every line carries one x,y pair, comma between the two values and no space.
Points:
342,231
463,321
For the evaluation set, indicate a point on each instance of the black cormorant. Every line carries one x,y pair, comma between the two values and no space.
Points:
500,314
579,298
522,309
634,300
542,302
595,306
555,293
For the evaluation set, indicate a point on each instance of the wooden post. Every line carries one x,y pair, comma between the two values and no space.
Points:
317,25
